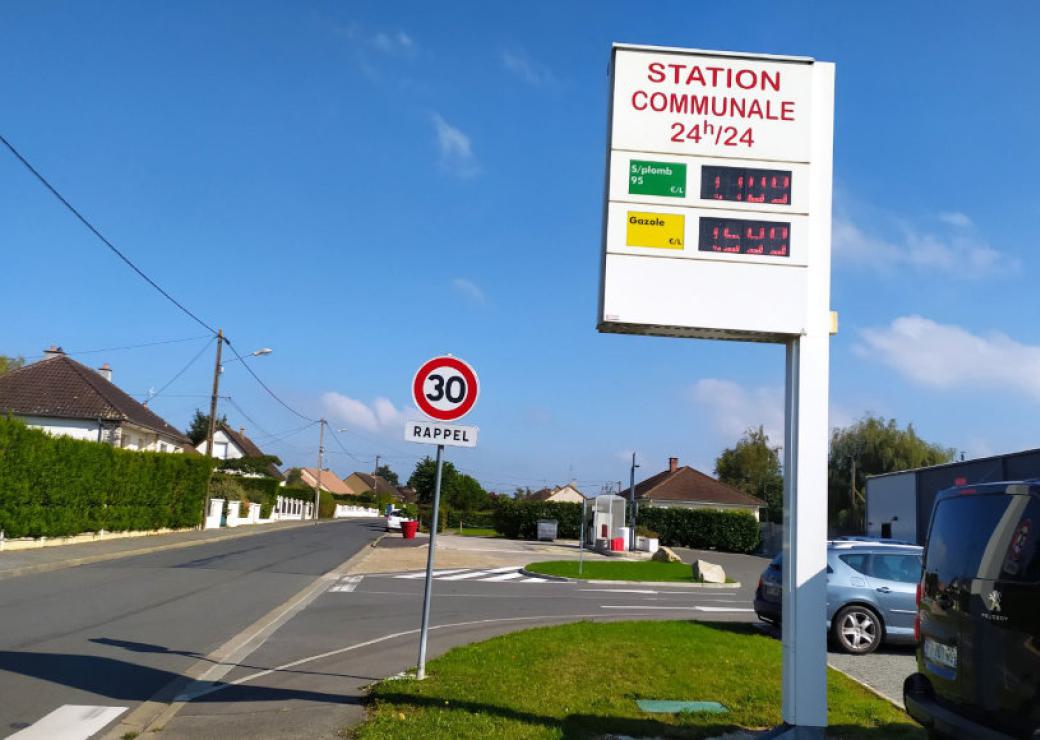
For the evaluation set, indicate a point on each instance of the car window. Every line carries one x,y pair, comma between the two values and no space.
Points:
991,536
856,561
905,568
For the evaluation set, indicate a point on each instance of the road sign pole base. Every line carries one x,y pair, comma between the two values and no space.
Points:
795,732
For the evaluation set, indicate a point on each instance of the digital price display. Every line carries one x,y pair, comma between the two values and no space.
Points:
746,185
738,236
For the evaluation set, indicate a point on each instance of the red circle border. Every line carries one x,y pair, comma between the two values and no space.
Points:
472,386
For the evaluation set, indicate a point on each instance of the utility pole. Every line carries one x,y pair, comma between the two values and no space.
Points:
375,472
852,495
632,502
212,418
321,458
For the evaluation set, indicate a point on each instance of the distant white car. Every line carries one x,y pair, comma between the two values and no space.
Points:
394,519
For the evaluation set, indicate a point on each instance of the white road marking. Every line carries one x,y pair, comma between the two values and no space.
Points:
618,590
638,607
436,573
506,576
347,584
477,574
70,722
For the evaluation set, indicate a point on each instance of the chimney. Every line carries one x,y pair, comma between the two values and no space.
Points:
673,464
242,431
53,350
105,372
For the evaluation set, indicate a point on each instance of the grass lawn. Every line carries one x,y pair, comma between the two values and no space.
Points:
600,570
582,681
473,532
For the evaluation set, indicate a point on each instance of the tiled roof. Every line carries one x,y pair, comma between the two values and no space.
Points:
407,495
248,447
329,481
60,387
688,484
376,483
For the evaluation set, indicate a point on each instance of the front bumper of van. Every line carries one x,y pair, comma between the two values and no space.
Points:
919,699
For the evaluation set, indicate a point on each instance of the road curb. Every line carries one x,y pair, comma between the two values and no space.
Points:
669,584
358,558
100,558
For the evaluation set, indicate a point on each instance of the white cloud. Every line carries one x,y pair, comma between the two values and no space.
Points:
947,356
961,253
456,150
533,73
395,44
956,218
733,409
379,415
469,289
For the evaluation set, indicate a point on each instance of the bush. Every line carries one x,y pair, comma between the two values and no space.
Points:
703,529
425,516
480,519
57,486
518,520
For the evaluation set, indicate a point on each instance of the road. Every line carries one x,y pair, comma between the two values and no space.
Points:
308,680
116,633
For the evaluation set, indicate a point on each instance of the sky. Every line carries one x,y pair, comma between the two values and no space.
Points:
360,186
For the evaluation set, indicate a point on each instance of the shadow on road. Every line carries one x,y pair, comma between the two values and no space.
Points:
120,680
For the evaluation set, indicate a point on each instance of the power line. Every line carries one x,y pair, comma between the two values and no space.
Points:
247,417
134,346
342,447
263,385
101,236
183,370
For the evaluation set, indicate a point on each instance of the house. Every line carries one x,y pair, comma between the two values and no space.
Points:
231,445
329,481
688,488
364,482
407,495
66,398
560,494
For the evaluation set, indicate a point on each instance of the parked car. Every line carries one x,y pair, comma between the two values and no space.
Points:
394,517
871,587
978,657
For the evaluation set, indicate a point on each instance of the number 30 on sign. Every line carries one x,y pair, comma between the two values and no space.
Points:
445,388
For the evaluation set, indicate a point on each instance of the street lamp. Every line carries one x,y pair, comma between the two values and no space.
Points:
258,353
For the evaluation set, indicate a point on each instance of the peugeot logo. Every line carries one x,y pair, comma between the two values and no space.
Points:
994,601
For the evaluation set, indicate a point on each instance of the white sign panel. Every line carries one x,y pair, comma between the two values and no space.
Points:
718,193
452,435
705,103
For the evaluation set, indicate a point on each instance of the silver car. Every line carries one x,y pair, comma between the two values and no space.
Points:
871,592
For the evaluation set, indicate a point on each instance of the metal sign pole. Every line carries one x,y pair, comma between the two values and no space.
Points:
425,628
581,539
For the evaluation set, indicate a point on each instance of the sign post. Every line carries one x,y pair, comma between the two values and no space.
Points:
717,226
446,389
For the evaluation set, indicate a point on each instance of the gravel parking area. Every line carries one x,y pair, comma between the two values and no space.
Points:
883,670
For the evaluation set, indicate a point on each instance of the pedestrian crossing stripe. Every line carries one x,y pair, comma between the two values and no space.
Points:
347,584
509,574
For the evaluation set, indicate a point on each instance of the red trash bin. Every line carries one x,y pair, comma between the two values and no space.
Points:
617,544
409,528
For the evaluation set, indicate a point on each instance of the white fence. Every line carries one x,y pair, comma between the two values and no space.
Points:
343,511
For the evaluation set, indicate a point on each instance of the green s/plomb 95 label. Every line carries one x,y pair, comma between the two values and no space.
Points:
666,179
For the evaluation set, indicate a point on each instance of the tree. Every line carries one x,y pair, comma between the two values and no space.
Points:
198,430
423,479
256,465
468,495
384,472
753,466
7,364
872,446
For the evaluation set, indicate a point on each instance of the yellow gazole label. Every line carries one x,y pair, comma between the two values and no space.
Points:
657,230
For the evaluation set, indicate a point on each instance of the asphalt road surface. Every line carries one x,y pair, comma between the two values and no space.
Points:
115,633
308,679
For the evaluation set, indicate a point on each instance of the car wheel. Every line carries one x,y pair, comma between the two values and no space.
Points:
857,629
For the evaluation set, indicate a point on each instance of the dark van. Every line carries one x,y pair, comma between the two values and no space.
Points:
978,628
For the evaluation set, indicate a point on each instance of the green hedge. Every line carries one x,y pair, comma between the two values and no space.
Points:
518,520
57,486
481,519
703,529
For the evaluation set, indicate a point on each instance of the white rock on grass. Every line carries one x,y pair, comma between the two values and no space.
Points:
666,555
708,572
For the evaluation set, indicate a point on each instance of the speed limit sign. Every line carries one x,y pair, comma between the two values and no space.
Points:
445,388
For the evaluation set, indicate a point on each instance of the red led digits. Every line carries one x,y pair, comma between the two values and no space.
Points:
741,236
741,185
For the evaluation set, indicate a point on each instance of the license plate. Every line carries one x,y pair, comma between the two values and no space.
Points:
937,652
